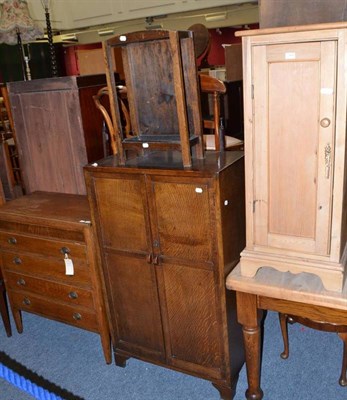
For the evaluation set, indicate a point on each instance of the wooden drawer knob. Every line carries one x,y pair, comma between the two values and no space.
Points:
65,250
73,295
21,282
17,261
77,316
12,240
26,301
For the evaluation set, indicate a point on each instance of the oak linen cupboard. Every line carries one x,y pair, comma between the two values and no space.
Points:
168,238
41,234
295,133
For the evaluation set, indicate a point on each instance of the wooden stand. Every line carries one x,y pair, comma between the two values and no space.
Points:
302,296
163,93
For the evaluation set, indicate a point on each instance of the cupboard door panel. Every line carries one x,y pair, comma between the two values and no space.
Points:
134,305
293,141
121,205
191,309
183,221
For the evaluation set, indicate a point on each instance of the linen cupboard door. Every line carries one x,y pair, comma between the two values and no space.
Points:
184,237
123,225
294,89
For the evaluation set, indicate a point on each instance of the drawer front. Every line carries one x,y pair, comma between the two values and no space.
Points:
77,316
47,268
42,246
50,290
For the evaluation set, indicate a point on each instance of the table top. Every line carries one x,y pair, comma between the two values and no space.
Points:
304,287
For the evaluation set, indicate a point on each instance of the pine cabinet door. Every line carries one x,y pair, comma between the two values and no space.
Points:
294,89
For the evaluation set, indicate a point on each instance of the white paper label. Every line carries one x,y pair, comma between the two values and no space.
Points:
326,90
145,145
198,190
290,55
69,270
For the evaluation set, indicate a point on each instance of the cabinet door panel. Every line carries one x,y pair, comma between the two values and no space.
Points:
183,222
294,90
121,205
134,305
192,318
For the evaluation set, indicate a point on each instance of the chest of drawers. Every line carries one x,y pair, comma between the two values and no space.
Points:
49,264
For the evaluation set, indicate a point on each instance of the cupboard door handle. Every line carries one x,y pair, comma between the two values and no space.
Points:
73,295
327,158
12,240
26,301
156,260
77,316
21,282
325,122
17,261
149,258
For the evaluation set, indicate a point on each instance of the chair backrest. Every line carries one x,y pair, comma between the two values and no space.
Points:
214,87
125,116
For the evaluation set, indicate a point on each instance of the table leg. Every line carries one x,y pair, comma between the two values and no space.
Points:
343,380
249,317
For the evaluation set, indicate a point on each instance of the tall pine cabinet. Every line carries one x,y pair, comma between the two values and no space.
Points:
295,89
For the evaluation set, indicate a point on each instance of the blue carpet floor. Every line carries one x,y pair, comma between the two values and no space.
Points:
72,359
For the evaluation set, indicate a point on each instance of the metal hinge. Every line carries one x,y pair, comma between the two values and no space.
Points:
252,91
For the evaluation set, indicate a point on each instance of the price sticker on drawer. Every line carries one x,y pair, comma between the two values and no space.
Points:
69,269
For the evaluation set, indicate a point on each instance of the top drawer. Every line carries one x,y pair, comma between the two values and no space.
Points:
45,247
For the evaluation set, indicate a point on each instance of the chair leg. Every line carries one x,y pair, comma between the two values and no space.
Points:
284,328
343,377
4,309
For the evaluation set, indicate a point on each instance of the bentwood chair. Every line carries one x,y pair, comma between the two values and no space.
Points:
216,140
124,117
341,330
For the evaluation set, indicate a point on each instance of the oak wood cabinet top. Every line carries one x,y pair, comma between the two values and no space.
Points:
170,163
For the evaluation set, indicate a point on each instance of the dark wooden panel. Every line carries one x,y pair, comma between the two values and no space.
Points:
135,308
122,200
183,220
195,335
274,13
59,130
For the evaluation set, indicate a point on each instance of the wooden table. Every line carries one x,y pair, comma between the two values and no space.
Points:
300,295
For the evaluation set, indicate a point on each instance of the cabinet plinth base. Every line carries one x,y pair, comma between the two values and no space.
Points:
331,274
120,361
226,392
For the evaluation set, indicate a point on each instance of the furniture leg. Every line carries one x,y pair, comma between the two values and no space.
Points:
120,361
17,316
106,346
343,378
225,392
4,309
284,328
249,318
